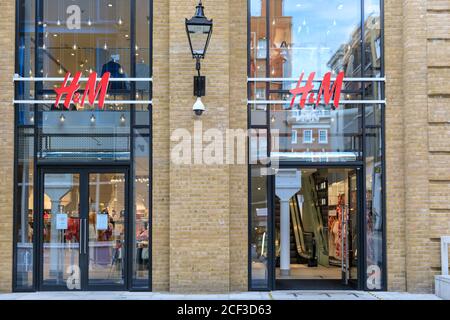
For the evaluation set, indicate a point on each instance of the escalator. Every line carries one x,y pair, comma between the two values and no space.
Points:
308,226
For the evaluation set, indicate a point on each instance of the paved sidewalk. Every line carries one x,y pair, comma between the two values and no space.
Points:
274,295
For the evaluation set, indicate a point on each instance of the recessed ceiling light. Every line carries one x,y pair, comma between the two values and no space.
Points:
110,5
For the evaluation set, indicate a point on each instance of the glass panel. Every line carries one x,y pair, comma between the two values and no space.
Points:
373,115
315,36
141,227
94,36
258,146
374,209
259,229
25,209
142,52
26,47
258,41
372,38
106,228
84,135
352,226
61,230
199,37
343,127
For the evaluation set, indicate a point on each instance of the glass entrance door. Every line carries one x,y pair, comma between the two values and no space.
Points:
61,228
317,222
83,229
106,229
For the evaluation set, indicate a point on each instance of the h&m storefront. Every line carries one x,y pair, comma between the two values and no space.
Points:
317,221
83,171
85,184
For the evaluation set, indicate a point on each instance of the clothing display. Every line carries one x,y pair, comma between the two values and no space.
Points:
116,71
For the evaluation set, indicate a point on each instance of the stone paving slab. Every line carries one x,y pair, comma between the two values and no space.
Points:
273,295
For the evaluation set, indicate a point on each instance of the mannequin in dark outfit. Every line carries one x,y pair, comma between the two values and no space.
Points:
113,67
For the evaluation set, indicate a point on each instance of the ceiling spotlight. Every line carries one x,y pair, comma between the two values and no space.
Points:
110,5
120,22
58,23
74,46
105,46
89,22
122,118
62,118
92,118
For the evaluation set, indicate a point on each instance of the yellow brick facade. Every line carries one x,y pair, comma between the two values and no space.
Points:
200,212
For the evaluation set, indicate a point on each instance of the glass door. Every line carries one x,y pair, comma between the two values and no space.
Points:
321,226
61,231
83,229
106,228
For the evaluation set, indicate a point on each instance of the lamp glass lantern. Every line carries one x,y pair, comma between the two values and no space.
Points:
199,30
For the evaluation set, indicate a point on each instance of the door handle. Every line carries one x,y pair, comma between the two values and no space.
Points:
86,233
81,235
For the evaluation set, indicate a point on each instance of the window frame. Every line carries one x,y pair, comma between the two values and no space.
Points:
304,135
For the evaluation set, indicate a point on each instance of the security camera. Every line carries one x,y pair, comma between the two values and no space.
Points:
198,107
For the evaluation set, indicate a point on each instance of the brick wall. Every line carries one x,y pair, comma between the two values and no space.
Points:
208,204
417,34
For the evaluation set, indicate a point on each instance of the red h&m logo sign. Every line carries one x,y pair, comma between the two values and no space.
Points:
324,91
92,91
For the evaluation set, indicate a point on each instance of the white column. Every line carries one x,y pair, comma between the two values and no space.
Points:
288,183
285,245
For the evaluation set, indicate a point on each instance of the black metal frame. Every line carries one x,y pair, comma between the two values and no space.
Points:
38,166
84,171
359,165
358,169
199,19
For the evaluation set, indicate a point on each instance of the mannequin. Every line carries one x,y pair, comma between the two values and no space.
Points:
116,71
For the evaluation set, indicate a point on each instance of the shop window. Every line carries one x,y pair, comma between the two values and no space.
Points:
310,37
60,37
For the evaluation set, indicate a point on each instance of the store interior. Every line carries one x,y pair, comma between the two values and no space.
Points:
323,227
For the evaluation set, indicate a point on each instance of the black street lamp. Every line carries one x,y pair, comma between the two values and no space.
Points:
199,30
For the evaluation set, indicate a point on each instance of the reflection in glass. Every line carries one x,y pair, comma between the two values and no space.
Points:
106,228
372,38
341,127
142,228
374,208
84,135
61,230
259,231
314,36
24,214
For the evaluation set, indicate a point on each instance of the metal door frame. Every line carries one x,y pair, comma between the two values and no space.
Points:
358,169
83,171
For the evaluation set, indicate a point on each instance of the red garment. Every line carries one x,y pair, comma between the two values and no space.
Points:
72,232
